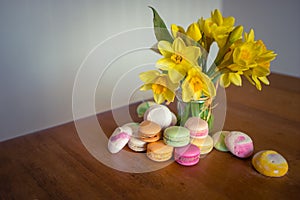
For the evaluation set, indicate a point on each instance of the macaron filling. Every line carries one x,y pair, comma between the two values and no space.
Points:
199,134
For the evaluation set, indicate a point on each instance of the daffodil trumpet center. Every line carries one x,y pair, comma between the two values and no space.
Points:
176,58
245,54
196,84
158,89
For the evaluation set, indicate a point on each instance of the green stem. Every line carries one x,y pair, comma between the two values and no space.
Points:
185,114
216,76
195,109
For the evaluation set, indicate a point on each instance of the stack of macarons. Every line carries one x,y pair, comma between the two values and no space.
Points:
158,136
138,135
199,134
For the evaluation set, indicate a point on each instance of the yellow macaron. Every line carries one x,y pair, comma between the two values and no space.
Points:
205,144
270,163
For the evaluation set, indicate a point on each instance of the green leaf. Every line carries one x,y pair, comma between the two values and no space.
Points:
160,29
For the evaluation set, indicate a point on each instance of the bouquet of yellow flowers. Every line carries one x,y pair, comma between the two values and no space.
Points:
183,69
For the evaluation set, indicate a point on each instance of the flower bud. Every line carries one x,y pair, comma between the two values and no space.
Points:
217,17
236,34
193,31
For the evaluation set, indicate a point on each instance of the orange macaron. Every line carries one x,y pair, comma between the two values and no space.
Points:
149,131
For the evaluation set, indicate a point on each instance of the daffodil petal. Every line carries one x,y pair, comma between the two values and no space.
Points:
217,17
228,21
187,92
235,79
178,45
169,95
172,86
264,80
175,76
249,79
250,36
236,67
257,82
191,54
193,31
224,80
165,64
165,48
175,29
149,76
260,71
158,98
146,87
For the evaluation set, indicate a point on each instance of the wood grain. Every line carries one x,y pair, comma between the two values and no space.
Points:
54,164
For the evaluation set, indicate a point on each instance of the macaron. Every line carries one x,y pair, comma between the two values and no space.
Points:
149,131
176,136
198,127
143,107
137,144
119,139
270,163
187,155
239,144
134,127
219,140
159,114
205,145
159,151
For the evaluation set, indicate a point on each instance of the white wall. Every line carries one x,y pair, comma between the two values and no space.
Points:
276,22
43,43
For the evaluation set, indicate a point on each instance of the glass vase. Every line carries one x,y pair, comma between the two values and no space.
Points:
201,108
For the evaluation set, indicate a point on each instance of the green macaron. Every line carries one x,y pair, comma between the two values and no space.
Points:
176,136
143,107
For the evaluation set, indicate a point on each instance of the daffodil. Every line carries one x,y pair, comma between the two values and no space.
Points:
245,55
259,73
249,58
217,28
178,58
193,31
196,85
163,89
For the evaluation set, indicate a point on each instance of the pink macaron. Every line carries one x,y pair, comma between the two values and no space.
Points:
239,144
187,155
119,139
198,127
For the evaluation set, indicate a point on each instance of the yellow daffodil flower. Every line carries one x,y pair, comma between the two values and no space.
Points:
197,84
193,31
249,58
259,73
246,54
163,89
178,58
217,27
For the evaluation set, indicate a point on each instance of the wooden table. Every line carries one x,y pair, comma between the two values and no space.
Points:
54,164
